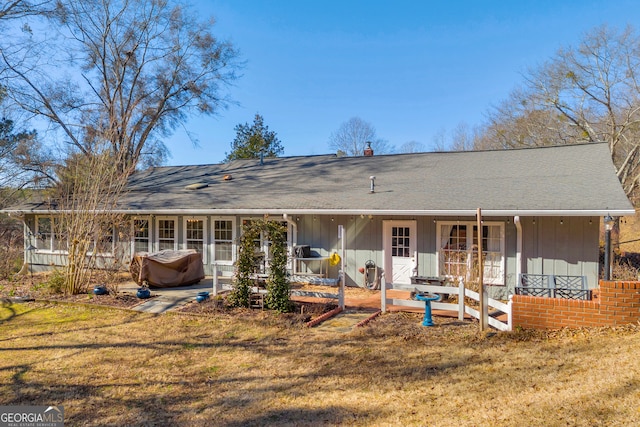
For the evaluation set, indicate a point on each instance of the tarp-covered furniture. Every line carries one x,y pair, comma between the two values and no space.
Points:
167,268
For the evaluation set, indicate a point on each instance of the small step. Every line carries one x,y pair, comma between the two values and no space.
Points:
256,300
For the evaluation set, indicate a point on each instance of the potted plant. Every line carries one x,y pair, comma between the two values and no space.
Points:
202,296
100,290
143,291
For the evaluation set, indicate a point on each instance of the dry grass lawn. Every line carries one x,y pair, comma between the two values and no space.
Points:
113,367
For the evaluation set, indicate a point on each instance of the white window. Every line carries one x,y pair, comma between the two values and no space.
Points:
166,238
141,237
48,235
262,244
223,240
103,239
195,235
457,250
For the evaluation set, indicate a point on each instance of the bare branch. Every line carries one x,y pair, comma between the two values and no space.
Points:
588,93
140,70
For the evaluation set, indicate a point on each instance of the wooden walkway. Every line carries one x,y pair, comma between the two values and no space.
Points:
358,299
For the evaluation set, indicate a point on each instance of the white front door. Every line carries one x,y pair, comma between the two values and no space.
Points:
399,247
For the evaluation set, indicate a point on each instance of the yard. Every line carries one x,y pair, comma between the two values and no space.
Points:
114,367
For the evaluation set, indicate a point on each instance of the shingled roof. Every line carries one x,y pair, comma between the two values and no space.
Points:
563,180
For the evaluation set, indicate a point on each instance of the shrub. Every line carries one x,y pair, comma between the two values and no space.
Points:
55,282
278,285
11,246
623,270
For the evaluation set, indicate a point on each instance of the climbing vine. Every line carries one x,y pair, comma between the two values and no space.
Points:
278,285
244,267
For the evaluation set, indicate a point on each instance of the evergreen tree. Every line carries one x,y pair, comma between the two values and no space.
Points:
252,139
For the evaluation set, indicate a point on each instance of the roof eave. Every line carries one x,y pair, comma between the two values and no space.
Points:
374,212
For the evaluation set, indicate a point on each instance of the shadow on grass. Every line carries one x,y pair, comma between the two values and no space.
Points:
138,369
132,317
158,404
144,384
330,415
7,306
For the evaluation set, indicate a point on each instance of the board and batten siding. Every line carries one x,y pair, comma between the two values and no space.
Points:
551,245
561,246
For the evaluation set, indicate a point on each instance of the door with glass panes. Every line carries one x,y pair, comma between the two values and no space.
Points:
399,242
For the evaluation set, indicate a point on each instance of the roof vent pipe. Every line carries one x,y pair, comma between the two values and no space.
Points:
368,151
261,157
373,184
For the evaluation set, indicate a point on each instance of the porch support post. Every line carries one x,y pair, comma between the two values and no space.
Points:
607,255
215,279
518,224
383,294
608,226
341,236
510,313
483,299
461,310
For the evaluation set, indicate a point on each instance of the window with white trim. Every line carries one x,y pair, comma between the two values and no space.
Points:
104,238
166,238
262,244
223,240
457,250
195,235
48,236
141,235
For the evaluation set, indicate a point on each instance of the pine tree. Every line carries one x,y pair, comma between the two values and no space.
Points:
252,139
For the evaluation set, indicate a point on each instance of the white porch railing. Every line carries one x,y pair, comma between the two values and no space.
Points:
498,307
338,295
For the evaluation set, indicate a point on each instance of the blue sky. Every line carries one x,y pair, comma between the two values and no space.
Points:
413,69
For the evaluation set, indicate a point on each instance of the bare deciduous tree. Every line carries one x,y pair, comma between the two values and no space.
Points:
87,221
123,71
461,138
352,136
21,8
587,93
110,79
411,147
12,136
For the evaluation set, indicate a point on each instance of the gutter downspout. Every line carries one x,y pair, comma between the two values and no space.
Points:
518,224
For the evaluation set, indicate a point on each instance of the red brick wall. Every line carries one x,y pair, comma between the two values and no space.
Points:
615,303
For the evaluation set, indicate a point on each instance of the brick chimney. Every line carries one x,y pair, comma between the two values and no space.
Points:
368,151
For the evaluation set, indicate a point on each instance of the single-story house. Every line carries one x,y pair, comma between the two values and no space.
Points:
408,214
